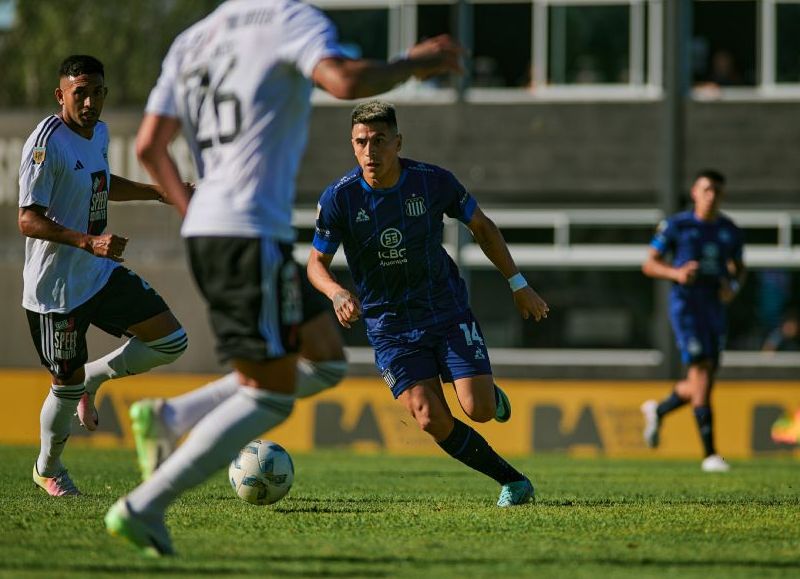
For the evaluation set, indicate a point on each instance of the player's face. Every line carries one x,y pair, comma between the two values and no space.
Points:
81,99
376,146
706,195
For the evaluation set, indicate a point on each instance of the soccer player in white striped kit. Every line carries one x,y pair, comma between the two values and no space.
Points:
72,274
239,84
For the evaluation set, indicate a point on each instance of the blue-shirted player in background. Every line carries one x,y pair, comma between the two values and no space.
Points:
707,271
388,214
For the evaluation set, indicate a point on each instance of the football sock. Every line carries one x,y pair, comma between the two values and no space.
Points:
181,413
135,357
55,422
314,377
704,424
670,403
466,445
212,444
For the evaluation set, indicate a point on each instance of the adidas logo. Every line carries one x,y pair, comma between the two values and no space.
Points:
78,166
362,216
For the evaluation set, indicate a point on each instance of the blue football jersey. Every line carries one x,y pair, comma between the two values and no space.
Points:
711,243
392,240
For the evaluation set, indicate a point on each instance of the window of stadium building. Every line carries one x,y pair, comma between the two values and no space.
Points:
363,31
589,44
724,44
787,57
502,45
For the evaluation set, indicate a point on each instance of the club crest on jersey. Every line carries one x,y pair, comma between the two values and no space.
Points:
415,206
39,154
362,216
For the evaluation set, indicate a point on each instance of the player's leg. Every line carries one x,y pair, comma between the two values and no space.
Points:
159,423
128,305
322,363
701,377
60,341
654,411
253,291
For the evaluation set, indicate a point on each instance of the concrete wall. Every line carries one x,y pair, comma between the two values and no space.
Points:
535,155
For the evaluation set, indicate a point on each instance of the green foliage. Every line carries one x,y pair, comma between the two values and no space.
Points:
130,37
377,516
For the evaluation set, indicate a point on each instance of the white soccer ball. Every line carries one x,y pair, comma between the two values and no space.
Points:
262,473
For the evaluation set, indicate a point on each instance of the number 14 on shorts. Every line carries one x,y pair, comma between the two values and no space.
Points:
471,336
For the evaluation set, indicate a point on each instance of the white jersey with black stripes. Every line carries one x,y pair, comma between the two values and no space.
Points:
69,176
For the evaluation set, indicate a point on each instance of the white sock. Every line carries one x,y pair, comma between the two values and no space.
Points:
314,377
55,422
181,413
212,444
135,357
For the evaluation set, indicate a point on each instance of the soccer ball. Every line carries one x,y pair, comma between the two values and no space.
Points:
262,474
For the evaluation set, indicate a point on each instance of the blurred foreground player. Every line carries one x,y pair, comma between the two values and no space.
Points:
72,276
388,214
239,84
707,271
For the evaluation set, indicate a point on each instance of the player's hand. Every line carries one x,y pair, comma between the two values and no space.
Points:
107,245
530,304
347,307
438,55
687,273
727,292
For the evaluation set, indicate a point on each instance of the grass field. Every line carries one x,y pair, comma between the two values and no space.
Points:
384,516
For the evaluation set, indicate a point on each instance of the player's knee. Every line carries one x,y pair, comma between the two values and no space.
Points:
481,413
314,377
171,347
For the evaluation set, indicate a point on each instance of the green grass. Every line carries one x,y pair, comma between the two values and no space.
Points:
379,516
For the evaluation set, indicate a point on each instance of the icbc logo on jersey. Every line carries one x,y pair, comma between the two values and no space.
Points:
98,207
65,339
392,254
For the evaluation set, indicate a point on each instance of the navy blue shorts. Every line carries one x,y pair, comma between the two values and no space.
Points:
451,350
700,328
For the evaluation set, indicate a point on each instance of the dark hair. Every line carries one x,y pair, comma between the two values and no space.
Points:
79,64
711,175
374,112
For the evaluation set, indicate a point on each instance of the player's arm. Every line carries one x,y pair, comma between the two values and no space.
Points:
352,79
657,267
123,189
491,242
33,222
731,285
345,304
152,141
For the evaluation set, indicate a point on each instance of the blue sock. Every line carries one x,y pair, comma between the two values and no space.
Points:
672,402
704,424
466,445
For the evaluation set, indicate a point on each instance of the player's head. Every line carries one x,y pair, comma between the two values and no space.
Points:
707,191
81,91
376,142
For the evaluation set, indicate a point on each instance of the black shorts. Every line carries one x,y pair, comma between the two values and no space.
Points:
254,295
124,301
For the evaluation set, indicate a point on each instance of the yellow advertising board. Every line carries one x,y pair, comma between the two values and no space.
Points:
594,418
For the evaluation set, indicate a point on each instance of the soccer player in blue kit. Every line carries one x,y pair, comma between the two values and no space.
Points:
707,272
387,213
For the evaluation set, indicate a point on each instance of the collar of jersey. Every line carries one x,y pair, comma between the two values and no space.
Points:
391,189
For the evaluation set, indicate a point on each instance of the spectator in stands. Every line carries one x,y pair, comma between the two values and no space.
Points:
707,270
786,337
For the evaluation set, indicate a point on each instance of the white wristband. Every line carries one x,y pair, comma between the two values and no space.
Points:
517,282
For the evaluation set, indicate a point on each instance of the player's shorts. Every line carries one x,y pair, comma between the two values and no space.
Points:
450,350
700,327
253,291
124,301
